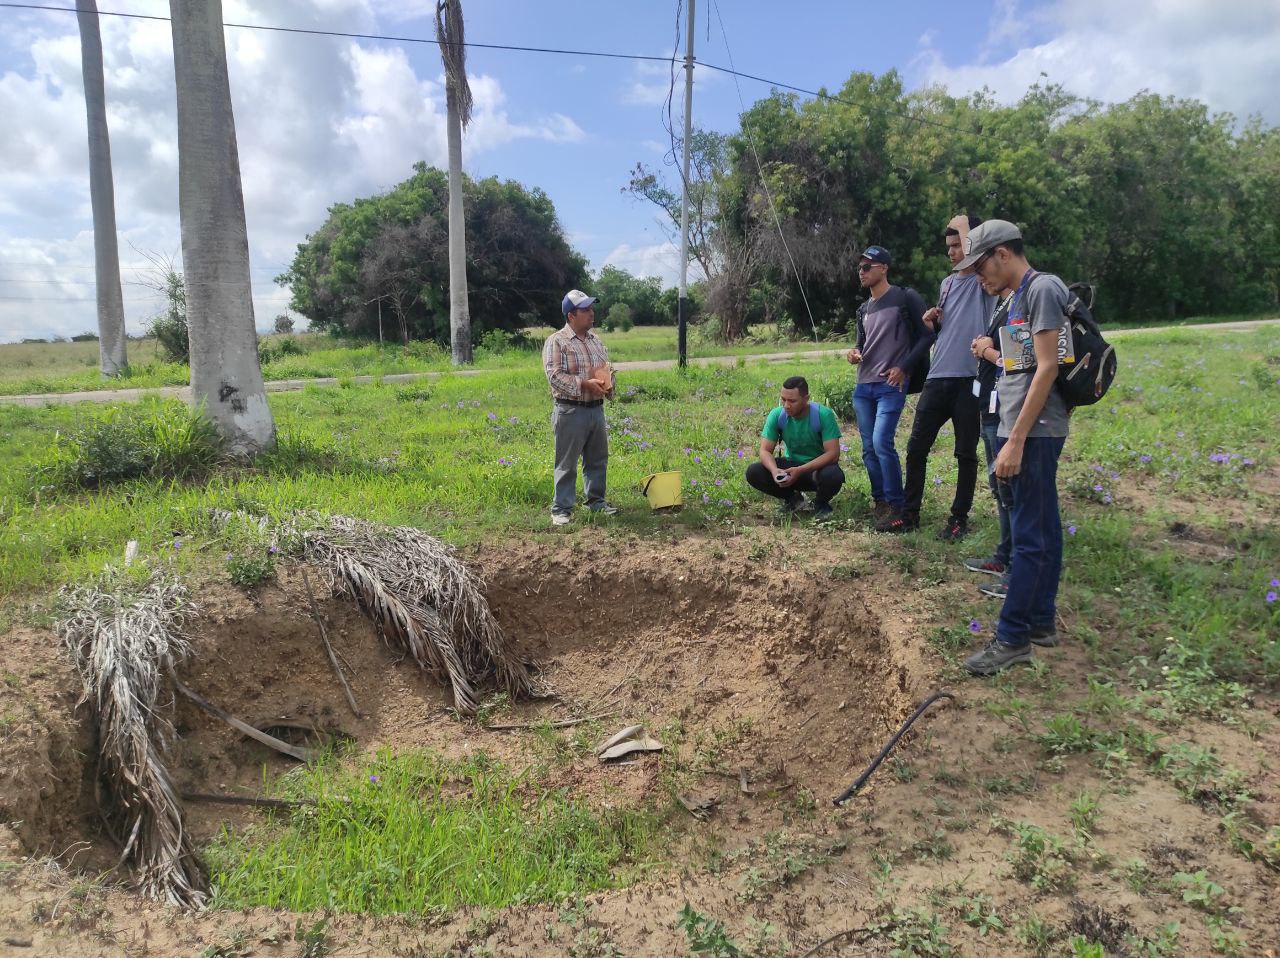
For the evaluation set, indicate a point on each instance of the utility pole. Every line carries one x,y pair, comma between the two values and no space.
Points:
682,336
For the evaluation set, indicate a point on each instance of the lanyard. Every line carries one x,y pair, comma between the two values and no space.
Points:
1016,293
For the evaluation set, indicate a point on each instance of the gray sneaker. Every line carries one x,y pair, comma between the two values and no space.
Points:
605,509
995,590
806,504
1045,638
995,657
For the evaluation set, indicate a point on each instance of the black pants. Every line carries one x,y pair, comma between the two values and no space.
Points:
950,398
825,483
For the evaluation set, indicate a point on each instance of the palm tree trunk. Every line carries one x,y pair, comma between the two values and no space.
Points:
225,374
459,306
112,351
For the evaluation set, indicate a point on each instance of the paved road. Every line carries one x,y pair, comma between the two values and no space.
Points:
292,385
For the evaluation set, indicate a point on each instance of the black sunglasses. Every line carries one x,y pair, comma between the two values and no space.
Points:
867,267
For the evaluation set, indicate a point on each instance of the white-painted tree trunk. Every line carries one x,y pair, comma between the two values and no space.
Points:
112,350
225,374
459,306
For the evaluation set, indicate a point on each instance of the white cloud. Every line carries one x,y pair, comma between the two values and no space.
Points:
661,260
318,121
1223,55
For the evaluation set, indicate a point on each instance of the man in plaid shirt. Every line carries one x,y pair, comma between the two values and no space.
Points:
573,357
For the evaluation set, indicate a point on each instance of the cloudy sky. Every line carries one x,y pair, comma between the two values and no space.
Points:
322,120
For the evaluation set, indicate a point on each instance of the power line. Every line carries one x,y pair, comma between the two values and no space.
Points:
813,325
390,38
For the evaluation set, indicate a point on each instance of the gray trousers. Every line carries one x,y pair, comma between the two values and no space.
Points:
579,432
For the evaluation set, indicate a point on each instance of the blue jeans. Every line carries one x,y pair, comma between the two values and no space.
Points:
1037,543
1001,490
878,407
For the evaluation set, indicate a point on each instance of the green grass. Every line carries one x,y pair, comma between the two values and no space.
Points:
412,832
31,368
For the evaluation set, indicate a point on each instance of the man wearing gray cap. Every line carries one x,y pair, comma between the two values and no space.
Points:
577,367
1033,429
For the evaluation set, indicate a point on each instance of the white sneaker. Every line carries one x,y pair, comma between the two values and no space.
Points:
560,518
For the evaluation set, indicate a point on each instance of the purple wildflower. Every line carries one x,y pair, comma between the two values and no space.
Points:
726,502
975,626
1097,487
706,498
514,420
693,482
937,480
374,779
1271,596
177,544
492,417
1071,530
1106,500
461,404
697,459
687,450
1144,458
1275,583
273,548
741,454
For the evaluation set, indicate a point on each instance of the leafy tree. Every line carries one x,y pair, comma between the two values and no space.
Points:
618,319
392,249
283,323
641,294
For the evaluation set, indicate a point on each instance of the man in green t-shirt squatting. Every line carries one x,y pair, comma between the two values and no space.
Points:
812,462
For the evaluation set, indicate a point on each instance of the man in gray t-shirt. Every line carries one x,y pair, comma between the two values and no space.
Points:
960,317
1033,429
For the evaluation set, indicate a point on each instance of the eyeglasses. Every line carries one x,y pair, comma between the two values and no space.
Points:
868,267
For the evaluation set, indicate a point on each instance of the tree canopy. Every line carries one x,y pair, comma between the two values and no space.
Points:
1161,203
393,248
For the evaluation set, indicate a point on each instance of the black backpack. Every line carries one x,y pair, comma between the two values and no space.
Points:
1087,380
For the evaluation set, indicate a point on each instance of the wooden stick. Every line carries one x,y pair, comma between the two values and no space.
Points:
328,647
244,800
562,724
293,751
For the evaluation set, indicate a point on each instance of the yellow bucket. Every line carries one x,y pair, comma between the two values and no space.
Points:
662,489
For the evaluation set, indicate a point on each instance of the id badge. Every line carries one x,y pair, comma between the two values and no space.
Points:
991,405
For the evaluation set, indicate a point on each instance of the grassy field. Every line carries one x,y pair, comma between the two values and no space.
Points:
1179,634
33,368
30,368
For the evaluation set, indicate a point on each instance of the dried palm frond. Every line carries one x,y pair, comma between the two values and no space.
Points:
422,598
122,631
451,37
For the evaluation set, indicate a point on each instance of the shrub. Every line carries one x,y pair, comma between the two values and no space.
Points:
165,441
836,392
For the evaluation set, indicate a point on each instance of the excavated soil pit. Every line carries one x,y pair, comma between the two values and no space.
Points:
789,674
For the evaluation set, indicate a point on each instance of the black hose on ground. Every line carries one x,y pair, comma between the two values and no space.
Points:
884,752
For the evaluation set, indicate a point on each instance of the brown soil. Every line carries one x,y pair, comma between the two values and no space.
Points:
744,653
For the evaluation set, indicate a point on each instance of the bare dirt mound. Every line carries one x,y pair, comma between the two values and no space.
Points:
791,678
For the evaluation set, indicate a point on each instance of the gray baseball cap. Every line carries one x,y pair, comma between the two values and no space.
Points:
985,237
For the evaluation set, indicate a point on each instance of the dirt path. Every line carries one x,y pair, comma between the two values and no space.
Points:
293,385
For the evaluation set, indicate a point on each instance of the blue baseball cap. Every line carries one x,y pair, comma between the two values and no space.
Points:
577,299
877,254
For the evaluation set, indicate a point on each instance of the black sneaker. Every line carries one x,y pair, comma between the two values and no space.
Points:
1045,637
954,530
989,566
792,505
822,512
897,523
994,590
995,657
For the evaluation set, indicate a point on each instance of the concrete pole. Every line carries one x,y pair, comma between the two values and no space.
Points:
682,335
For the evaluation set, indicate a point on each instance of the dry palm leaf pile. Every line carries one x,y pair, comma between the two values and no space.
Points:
123,632
421,597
